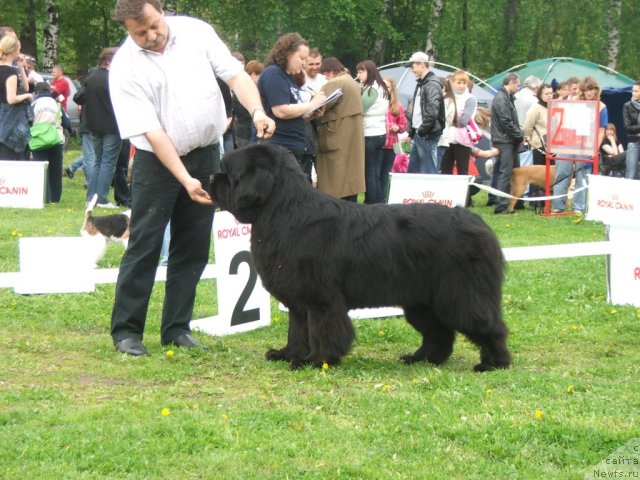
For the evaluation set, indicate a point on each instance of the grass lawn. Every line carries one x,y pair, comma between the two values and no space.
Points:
71,407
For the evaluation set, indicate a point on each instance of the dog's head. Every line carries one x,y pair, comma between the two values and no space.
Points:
249,174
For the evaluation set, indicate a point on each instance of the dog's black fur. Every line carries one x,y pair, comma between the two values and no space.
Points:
321,256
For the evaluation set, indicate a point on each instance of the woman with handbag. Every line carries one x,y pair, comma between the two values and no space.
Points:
47,138
14,124
535,124
464,127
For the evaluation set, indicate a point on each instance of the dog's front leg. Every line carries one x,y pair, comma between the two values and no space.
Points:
331,334
297,346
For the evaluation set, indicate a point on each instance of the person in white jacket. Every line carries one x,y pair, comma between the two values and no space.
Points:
375,102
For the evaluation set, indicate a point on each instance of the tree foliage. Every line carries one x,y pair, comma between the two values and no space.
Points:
483,37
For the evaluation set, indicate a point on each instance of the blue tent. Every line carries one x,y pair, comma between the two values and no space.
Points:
616,87
406,81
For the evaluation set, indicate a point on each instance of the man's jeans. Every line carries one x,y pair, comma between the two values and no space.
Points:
633,155
564,168
423,157
107,148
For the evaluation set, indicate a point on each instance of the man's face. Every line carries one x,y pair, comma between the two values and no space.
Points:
313,66
513,86
419,69
150,33
56,72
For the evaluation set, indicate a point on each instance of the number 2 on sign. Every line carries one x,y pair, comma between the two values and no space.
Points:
240,315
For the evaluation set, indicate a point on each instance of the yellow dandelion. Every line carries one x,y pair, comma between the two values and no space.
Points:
570,389
275,319
170,353
14,233
165,412
386,388
225,417
325,366
381,333
414,381
538,415
614,311
489,391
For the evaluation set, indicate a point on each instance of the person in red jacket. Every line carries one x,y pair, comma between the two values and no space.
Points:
60,86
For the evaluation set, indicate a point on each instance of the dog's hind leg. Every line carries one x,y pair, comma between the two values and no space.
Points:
493,348
298,338
331,334
437,339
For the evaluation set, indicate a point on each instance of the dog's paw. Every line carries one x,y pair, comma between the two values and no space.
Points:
410,359
274,355
297,364
485,367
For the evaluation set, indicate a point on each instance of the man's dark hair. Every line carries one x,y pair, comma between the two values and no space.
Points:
510,77
331,64
132,9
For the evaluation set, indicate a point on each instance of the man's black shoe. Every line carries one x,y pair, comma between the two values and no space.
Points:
131,346
68,172
187,341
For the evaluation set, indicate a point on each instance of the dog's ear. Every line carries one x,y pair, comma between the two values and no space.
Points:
254,187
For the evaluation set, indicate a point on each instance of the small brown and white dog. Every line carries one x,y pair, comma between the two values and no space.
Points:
531,174
104,229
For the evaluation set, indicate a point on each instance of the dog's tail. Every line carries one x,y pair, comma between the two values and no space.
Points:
88,212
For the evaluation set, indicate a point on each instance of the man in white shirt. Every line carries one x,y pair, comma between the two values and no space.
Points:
175,128
313,78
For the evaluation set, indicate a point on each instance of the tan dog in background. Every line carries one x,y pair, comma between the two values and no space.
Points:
522,176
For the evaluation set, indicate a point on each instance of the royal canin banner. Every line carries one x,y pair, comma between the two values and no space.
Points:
448,190
22,184
614,201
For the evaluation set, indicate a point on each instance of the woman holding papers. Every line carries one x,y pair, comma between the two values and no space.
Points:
280,92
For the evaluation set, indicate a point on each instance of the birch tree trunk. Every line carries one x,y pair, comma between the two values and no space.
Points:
380,42
50,36
613,31
430,48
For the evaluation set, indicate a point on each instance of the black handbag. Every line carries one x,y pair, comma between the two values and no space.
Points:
15,125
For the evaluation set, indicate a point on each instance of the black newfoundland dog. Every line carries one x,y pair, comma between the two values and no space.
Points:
321,256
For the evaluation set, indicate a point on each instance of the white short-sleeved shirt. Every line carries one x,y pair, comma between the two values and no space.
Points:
175,90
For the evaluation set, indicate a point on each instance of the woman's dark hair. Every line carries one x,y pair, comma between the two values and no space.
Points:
541,89
285,46
373,75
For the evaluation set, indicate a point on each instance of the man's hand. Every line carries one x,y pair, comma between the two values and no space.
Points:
265,126
196,192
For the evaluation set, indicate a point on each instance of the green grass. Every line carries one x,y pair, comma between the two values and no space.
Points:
71,407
